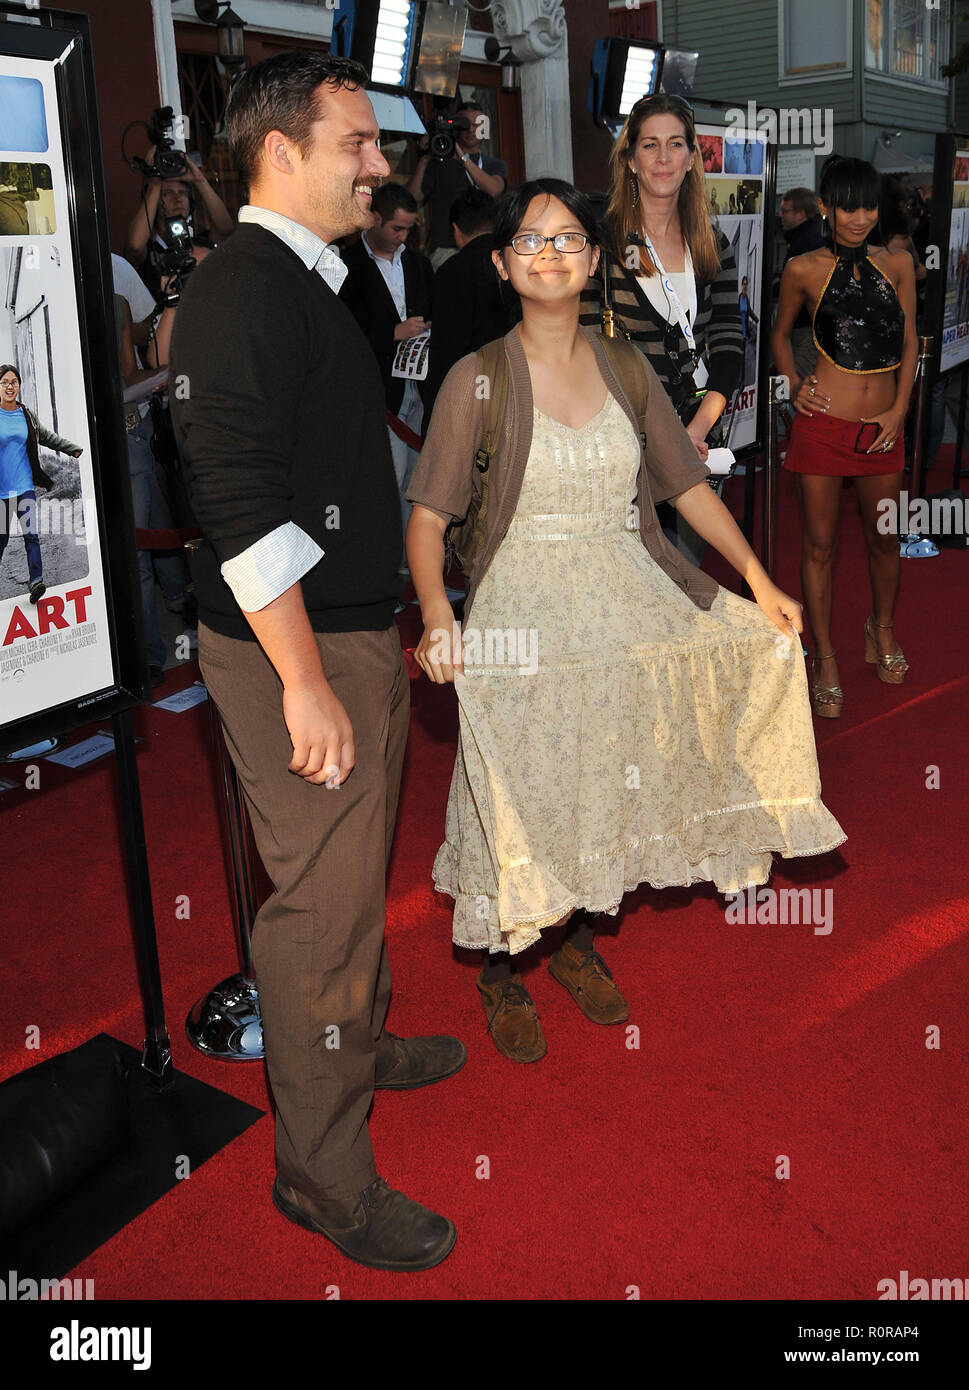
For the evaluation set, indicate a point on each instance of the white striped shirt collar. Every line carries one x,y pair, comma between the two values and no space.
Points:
313,251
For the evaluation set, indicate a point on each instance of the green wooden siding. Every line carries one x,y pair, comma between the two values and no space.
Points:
739,43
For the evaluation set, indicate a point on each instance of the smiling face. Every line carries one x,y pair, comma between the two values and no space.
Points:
327,185
662,156
850,228
549,275
9,389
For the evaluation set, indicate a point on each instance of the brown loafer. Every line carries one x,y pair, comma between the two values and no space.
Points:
589,981
512,1020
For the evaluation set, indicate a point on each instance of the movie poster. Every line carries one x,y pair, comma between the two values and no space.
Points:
734,167
955,314
54,635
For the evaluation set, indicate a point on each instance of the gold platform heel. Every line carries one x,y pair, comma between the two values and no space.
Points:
890,667
828,700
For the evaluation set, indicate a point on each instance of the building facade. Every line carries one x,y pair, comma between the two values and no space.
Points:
867,71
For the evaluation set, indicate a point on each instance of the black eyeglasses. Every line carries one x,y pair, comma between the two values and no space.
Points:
531,243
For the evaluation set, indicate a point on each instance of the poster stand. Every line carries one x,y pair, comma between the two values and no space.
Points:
720,173
947,287
62,665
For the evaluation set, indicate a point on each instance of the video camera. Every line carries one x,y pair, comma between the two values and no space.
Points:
168,163
444,131
177,261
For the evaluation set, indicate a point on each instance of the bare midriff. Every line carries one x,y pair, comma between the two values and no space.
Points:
854,395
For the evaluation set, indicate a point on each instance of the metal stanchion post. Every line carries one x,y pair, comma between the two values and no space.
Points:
226,1023
779,393
957,471
912,545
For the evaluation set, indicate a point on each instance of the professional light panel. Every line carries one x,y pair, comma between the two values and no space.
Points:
623,70
391,43
639,78
380,36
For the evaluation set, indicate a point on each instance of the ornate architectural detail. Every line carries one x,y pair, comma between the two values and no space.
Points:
534,28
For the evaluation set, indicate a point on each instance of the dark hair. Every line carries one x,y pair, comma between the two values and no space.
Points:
513,205
474,212
469,106
6,367
848,184
892,220
802,200
280,93
389,197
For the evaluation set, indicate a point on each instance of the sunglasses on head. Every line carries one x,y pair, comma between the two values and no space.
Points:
662,96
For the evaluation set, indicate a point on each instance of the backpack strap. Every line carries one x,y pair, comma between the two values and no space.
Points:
627,363
492,368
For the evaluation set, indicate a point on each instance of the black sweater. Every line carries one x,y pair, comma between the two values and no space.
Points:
278,411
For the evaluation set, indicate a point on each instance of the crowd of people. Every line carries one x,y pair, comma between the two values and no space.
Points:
329,460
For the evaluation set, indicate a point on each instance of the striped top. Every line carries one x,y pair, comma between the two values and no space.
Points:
716,329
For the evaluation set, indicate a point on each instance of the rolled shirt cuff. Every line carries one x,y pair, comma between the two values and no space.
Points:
270,566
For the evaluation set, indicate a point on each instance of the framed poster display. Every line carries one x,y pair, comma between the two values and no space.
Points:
739,168
947,293
71,642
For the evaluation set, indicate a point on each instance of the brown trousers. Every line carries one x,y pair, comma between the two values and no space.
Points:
318,942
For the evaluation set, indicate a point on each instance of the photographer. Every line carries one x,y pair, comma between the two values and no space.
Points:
442,179
167,200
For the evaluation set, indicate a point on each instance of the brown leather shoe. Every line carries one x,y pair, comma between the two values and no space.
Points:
378,1227
512,1020
589,981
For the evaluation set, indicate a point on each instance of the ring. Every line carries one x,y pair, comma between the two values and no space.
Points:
811,391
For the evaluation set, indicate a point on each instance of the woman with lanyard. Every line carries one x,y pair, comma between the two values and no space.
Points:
672,277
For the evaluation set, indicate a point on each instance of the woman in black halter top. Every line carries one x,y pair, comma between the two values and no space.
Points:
850,415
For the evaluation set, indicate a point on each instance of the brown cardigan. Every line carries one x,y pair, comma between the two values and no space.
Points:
444,476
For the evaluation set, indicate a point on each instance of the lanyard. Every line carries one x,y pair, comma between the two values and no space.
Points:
700,368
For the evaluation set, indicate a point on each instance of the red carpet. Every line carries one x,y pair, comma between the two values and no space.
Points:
608,1165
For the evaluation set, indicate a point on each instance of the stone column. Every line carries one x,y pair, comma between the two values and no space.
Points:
536,32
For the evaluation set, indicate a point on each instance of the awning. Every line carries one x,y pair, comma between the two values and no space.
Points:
396,113
890,158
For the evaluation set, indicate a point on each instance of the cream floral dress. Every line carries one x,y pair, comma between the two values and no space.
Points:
611,732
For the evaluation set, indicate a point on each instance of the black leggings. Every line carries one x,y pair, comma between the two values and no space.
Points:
498,965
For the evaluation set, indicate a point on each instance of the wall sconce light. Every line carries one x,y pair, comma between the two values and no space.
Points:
510,65
230,30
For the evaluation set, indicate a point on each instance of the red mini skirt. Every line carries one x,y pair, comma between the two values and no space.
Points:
826,445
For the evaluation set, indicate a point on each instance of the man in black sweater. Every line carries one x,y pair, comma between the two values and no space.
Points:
278,412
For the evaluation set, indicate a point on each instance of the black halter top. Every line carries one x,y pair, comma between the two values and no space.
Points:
859,325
